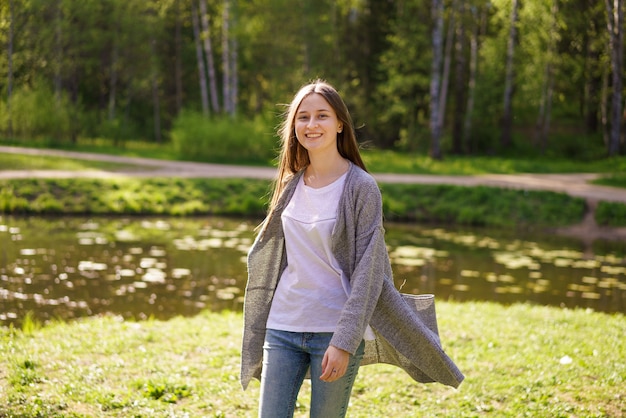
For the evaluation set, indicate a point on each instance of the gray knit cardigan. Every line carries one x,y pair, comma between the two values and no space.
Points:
406,333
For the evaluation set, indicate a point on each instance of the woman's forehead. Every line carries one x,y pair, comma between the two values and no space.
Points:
314,102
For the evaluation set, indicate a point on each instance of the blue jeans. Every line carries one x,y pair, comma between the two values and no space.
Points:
287,357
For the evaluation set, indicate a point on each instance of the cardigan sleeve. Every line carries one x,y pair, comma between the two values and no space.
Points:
363,243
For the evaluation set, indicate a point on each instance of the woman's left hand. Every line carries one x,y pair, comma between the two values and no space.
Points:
334,364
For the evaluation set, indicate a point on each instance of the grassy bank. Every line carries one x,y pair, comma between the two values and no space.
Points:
518,361
480,206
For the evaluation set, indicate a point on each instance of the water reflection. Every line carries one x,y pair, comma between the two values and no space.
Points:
71,267
68,267
500,266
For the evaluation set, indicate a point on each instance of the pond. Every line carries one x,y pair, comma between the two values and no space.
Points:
70,267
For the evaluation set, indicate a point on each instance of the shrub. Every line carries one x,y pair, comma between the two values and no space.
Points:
611,214
37,113
480,206
222,139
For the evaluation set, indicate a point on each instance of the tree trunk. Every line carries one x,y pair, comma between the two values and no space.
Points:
459,82
615,20
473,71
447,60
208,52
548,115
113,77
204,96
156,102
437,42
226,57
58,44
593,88
604,108
178,66
10,68
542,126
507,116
234,79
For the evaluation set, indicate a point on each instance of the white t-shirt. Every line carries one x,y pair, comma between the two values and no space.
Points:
312,290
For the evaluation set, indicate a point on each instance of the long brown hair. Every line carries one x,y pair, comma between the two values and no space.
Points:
293,156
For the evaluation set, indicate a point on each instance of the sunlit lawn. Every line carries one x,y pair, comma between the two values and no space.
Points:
398,162
378,161
42,162
518,361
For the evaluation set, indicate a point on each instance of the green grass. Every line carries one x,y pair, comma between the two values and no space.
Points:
399,162
384,161
518,361
379,161
614,180
611,214
42,162
479,206
107,146
157,196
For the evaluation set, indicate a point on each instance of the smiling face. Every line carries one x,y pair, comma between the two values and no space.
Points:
316,125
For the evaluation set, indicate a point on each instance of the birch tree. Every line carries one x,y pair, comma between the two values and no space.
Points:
507,115
435,81
58,46
204,96
473,72
208,52
460,88
229,59
113,67
10,68
447,61
226,96
615,24
178,62
542,125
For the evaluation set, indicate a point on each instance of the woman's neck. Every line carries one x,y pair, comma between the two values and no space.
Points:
323,171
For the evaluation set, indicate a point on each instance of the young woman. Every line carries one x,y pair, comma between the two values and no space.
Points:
320,298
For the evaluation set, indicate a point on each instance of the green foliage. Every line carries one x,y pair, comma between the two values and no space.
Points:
403,93
25,374
37,113
164,392
124,69
215,139
117,129
30,324
481,206
243,197
614,180
181,197
575,146
611,214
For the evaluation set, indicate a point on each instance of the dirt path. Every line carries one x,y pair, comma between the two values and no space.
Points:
576,185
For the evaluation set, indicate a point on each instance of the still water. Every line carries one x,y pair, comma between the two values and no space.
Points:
64,268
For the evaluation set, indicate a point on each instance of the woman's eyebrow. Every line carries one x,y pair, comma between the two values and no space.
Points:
323,109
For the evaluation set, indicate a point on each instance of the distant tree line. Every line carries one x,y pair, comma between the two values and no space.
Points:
437,76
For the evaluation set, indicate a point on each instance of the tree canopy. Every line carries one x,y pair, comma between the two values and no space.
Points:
457,76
